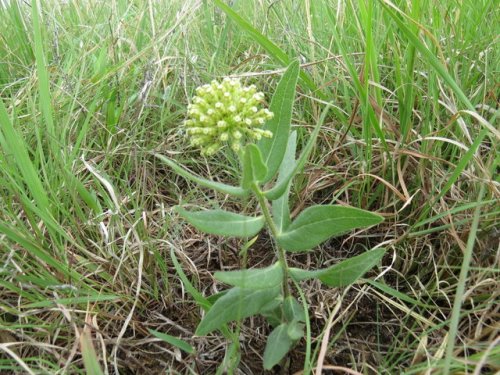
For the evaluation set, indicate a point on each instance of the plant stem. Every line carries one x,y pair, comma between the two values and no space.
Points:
272,227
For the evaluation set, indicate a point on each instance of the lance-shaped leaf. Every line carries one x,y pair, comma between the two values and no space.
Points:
223,188
278,344
254,169
279,189
273,149
236,304
318,223
223,223
343,273
253,278
280,206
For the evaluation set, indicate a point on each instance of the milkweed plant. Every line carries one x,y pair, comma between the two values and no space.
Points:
228,114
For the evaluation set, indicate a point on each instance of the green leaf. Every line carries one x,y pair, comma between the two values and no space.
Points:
273,317
278,344
254,168
272,305
318,223
273,149
253,278
280,206
223,188
214,297
295,330
279,189
223,223
178,343
237,304
343,273
293,310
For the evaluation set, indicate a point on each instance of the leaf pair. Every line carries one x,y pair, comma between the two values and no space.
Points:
313,226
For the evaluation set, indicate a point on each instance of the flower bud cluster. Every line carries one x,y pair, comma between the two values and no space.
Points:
226,113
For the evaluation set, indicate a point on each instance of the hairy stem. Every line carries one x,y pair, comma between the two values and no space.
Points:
272,227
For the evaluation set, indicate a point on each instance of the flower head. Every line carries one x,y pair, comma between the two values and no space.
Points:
226,112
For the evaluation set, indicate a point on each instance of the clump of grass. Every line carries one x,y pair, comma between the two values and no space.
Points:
86,227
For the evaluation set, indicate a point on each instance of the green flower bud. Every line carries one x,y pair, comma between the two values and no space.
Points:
226,113
236,146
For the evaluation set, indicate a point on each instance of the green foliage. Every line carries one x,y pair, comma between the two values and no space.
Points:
254,168
279,189
223,223
238,303
273,149
318,223
89,92
284,335
254,278
265,291
277,346
343,273
281,206
293,310
14,144
267,44
89,355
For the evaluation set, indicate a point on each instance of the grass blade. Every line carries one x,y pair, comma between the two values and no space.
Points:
90,359
17,148
43,77
178,343
276,52
459,294
429,55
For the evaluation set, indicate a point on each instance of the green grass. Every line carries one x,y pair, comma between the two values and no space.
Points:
91,91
